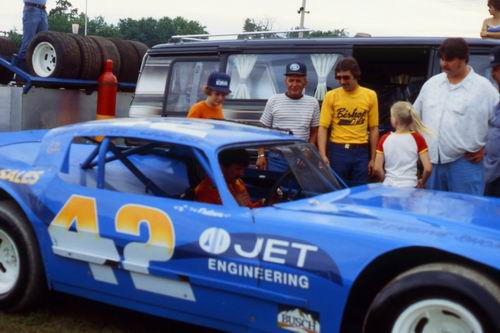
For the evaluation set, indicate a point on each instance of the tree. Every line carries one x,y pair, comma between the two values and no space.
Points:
62,16
151,31
328,33
147,30
251,25
319,33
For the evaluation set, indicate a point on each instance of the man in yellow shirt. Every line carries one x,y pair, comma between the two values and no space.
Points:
350,112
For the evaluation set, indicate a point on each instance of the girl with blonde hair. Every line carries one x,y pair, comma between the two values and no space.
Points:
398,152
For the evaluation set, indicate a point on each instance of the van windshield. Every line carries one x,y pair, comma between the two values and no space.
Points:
260,76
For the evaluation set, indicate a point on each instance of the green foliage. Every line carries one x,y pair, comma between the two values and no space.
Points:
16,37
328,33
151,31
62,16
251,25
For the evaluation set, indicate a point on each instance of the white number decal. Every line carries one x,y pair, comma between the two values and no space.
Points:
85,244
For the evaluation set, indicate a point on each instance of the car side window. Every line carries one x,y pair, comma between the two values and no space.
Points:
186,82
134,166
259,76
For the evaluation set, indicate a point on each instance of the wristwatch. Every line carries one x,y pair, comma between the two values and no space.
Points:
261,155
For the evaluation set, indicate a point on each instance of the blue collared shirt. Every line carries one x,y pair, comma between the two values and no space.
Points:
492,150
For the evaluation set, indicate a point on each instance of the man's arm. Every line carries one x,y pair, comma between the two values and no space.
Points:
373,148
313,136
322,141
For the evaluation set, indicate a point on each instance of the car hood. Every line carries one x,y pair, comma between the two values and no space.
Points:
408,207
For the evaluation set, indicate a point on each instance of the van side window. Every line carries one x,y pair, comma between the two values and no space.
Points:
187,79
259,76
150,89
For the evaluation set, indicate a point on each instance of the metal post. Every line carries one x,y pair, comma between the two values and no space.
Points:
86,18
302,12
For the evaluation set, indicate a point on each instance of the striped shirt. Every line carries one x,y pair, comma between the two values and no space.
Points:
297,115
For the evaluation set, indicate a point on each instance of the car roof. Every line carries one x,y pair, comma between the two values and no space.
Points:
203,133
258,44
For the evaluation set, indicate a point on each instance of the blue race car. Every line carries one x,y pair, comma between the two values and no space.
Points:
112,211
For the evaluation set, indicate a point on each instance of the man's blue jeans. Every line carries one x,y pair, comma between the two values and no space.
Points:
34,21
350,164
459,176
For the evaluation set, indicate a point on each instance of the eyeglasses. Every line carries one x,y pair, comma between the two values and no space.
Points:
343,77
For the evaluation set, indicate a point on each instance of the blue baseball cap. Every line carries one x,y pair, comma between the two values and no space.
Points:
219,82
296,68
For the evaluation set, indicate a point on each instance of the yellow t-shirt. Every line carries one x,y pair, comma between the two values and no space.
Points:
349,114
203,110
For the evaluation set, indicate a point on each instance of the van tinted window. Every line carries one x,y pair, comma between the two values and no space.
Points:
187,79
259,76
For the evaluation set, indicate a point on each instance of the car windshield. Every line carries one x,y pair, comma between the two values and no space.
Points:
313,176
267,174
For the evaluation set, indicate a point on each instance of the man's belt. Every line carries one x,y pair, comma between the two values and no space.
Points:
351,145
30,4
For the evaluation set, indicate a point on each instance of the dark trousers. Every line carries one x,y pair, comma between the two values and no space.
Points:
493,188
351,164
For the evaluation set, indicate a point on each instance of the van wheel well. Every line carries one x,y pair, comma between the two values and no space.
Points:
386,267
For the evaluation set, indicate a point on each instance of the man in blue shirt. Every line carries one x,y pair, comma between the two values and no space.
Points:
492,150
34,21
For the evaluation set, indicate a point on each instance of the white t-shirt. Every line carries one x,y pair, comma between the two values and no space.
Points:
297,115
401,152
457,115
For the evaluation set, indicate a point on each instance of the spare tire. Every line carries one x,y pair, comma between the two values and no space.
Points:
140,48
7,49
53,54
108,51
91,58
128,58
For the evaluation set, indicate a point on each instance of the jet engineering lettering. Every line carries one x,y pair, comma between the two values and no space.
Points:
258,273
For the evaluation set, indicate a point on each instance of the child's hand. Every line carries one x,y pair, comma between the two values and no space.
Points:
420,183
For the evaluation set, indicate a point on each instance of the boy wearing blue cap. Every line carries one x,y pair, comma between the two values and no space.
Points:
217,89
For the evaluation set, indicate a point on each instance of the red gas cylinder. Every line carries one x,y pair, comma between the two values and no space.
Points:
106,92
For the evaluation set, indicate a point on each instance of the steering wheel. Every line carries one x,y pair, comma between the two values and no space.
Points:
280,193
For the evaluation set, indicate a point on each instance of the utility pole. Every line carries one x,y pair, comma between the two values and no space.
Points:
302,11
86,18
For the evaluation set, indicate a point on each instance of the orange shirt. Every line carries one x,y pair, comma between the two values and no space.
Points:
203,110
207,192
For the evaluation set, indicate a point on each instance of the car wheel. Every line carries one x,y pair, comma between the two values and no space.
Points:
22,278
7,49
53,54
436,298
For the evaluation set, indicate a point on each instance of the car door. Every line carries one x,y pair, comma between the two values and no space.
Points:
121,230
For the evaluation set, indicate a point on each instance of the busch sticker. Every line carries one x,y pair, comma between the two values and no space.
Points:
298,320
294,67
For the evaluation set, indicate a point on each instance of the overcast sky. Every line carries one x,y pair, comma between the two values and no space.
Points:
377,17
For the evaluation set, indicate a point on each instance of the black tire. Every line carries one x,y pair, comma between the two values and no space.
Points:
108,51
29,288
91,58
128,58
53,54
140,48
455,292
7,50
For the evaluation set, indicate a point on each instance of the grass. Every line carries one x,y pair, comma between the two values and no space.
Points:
66,314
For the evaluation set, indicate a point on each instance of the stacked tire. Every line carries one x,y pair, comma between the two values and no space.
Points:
71,56
7,49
